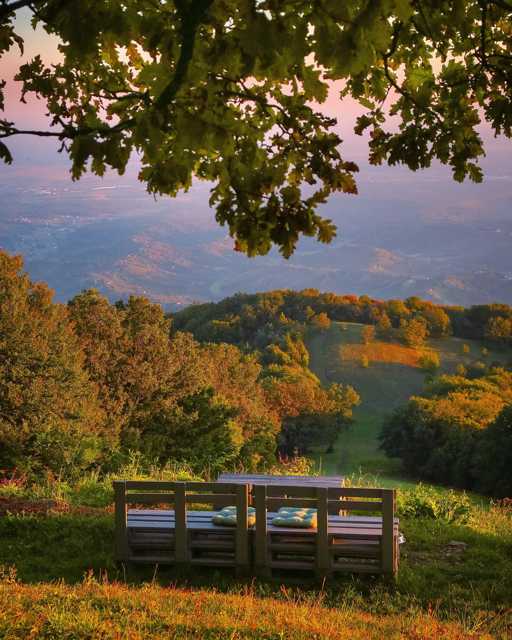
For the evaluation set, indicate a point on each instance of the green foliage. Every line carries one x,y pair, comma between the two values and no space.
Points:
424,501
50,415
320,321
384,326
81,386
440,437
493,459
430,362
199,430
43,589
229,93
499,329
413,332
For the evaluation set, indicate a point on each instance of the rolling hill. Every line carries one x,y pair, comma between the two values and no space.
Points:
393,375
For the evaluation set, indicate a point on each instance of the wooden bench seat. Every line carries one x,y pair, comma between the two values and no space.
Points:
366,543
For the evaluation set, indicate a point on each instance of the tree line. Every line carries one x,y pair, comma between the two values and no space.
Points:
256,319
84,384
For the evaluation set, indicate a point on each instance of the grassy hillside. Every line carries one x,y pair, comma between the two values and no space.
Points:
392,376
67,586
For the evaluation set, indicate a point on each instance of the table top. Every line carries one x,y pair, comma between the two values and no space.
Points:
301,481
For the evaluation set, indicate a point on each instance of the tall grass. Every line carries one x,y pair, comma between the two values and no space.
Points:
99,609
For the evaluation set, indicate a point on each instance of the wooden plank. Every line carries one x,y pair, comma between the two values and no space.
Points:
151,559
149,498
242,528
155,485
260,539
180,534
122,550
291,491
292,564
388,536
323,559
259,478
358,505
221,487
276,503
212,562
293,547
357,492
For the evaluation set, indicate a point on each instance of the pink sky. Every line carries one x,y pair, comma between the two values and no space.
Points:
32,153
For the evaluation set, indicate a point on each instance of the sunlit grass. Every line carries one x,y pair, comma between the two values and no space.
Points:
105,610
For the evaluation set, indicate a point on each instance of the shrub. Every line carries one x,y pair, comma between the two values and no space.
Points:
427,502
430,362
493,458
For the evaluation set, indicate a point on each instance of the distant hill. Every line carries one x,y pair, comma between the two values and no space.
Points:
395,240
392,376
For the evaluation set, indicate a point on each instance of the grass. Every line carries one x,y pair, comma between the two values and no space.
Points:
68,585
393,375
112,611
59,580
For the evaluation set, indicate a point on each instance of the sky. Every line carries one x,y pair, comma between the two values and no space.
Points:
31,152
37,164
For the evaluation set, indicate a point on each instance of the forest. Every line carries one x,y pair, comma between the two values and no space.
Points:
86,384
228,385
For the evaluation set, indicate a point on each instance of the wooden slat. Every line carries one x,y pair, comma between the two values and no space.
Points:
181,534
292,564
358,505
322,543
291,491
213,544
354,492
151,559
258,478
242,527
293,547
122,551
149,498
260,541
155,485
212,562
276,503
388,538
221,487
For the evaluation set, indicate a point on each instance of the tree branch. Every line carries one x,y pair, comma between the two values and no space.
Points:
17,132
6,9
191,17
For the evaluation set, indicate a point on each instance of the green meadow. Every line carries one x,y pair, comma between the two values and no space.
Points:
393,375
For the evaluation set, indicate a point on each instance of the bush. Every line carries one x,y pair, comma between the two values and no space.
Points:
493,458
427,502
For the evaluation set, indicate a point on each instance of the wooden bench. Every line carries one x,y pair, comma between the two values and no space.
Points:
178,536
356,543
255,479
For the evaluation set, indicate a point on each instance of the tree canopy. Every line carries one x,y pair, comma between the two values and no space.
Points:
228,91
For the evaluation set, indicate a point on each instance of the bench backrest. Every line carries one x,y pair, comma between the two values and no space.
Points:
324,500
180,495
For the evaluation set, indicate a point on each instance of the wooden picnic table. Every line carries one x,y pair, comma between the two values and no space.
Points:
360,543
296,481
258,479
